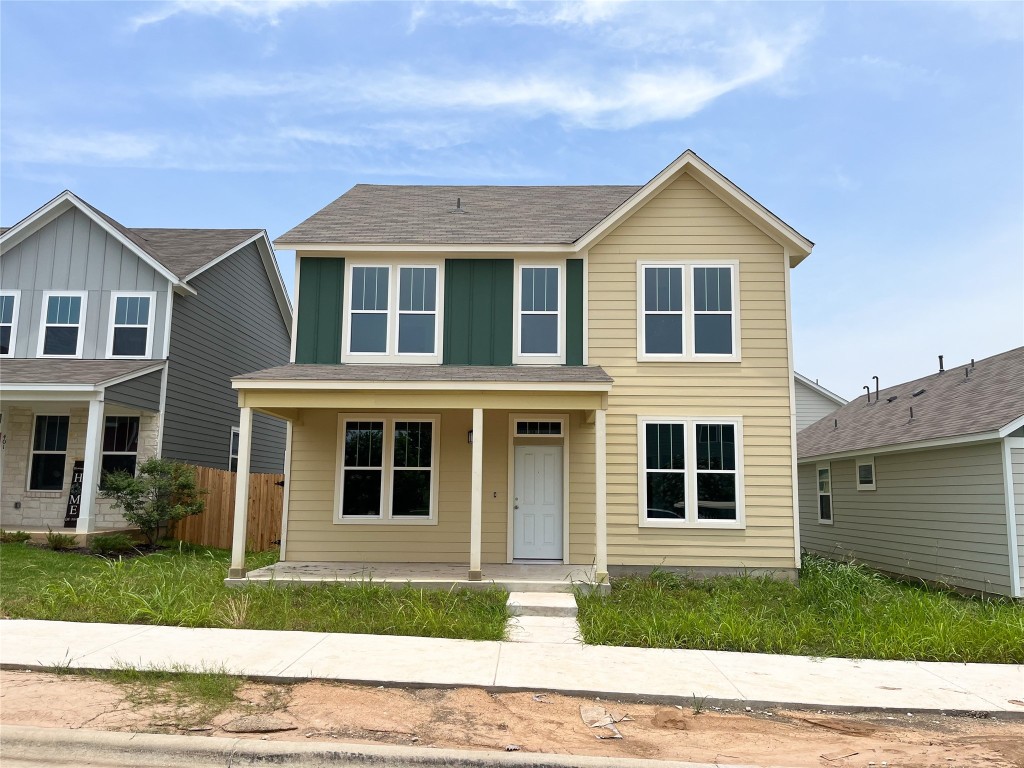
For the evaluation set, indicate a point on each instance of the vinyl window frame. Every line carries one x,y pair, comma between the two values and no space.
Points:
865,461
43,325
689,312
391,353
690,471
550,358
112,324
16,295
827,466
134,453
387,469
233,447
32,453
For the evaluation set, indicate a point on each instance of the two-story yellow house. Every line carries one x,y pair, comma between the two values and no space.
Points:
506,379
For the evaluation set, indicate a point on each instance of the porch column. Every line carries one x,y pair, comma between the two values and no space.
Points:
601,496
237,569
476,500
91,459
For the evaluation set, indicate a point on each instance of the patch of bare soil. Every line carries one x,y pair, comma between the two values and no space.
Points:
470,718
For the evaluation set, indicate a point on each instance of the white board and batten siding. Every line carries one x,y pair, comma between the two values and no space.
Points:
938,515
811,405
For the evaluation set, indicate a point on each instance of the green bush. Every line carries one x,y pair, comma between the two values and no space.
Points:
163,492
59,542
14,537
112,544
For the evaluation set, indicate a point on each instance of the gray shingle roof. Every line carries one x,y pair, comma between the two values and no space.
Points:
951,405
538,374
183,251
56,371
375,213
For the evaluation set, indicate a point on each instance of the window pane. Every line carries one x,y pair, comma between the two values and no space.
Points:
666,495
60,341
47,472
663,289
825,507
412,443
538,428
234,464
716,446
5,339
417,291
539,289
52,309
63,309
369,288
6,309
121,434
411,493
663,334
539,335
866,474
364,441
51,433
824,482
130,342
666,447
712,289
712,334
235,438
361,492
117,463
416,334
716,496
369,333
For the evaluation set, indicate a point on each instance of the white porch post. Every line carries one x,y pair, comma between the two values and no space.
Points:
601,496
91,460
477,500
237,569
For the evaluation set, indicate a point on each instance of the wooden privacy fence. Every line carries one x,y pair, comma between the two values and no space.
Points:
213,527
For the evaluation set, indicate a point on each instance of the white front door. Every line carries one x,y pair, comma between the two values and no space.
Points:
537,504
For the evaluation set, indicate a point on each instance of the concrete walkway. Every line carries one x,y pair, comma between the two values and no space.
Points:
725,678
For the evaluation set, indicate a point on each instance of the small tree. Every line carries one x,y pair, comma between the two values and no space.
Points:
162,492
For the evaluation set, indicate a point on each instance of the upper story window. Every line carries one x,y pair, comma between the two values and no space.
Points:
9,301
131,325
60,333
540,319
392,314
687,312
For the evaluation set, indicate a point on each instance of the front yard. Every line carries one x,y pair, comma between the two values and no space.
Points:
837,610
184,587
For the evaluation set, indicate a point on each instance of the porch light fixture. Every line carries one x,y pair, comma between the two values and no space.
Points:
469,437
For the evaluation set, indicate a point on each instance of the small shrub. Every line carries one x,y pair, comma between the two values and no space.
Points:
112,544
14,537
59,542
163,492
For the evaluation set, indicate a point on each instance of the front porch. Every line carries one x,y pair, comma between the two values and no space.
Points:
513,577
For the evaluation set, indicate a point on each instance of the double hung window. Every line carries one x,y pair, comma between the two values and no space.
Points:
393,313
8,322
60,332
866,474
387,469
120,445
687,312
49,453
825,493
131,318
691,473
539,311
233,449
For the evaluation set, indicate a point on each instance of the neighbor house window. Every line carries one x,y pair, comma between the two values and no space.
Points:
393,313
539,320
49,453
61,334
130,325
866,474
691,473
120,444
687,312
387,469
236,436
825,493
8,322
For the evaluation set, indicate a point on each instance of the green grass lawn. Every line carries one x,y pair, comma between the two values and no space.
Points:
184,587
836,610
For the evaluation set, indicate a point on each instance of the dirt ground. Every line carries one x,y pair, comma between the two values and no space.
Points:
475,719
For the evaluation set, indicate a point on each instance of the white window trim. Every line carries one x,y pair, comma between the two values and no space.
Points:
689,354
818,494
32,452
14,319
84,295
134,453
231,446
392,355
558,357
690,436
150,325
388,469
863,462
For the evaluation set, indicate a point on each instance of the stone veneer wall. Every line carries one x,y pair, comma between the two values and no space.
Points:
46,508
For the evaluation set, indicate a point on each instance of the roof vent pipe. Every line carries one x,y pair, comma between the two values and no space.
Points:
942,368
972,362
876,387
868,390
835,423
911,413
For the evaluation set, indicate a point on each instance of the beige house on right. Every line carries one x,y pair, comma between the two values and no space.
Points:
924,479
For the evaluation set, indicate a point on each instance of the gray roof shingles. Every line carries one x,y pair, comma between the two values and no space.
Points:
72,372
952,405
514,215
537,374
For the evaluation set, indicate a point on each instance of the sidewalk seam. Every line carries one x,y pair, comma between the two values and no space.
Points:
300,657
711,661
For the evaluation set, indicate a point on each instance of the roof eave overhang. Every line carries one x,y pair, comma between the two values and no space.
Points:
917,445
29,388
421,386
427,247
820,389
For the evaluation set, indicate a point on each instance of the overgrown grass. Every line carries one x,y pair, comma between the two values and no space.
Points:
837,609
184,587
194,695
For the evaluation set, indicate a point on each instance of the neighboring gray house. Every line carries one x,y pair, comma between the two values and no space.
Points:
924,479
813,401
119,344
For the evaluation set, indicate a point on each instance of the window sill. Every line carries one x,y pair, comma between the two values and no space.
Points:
733,525
825,522
43,494
689,359
385,521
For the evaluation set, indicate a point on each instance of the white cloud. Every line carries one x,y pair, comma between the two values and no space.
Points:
258,12
100,147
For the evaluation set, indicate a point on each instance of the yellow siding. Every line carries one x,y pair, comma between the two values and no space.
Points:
686,222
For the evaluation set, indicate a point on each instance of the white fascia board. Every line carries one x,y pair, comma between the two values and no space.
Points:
820,389
133,375
1013,426
920,445
311,249
418,386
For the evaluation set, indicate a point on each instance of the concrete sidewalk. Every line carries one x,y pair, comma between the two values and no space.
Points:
725,678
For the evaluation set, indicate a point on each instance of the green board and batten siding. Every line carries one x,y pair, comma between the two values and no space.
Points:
574,312
321,290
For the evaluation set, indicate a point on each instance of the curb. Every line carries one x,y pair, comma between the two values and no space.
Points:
153,750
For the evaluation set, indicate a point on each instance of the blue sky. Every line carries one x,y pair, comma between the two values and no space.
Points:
890,134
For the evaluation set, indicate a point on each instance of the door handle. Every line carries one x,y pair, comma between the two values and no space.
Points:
515,506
